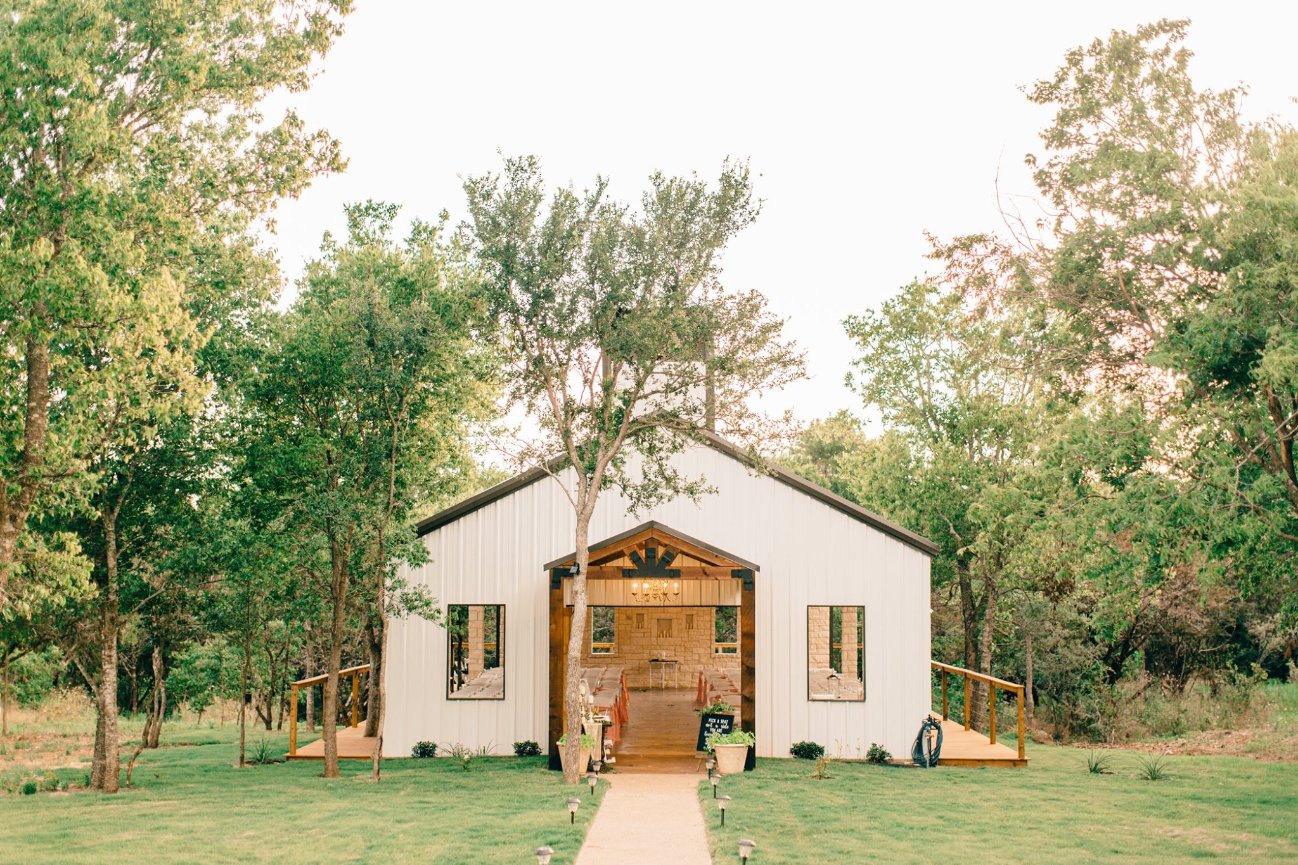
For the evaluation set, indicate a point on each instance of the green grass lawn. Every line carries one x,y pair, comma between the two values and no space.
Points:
1225,809
190,805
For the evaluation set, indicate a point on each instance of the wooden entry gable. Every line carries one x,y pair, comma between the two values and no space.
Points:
619,560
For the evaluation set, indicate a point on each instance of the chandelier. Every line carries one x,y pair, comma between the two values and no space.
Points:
655,591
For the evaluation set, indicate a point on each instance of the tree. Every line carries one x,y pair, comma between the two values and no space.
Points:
620,339
362,407
130,147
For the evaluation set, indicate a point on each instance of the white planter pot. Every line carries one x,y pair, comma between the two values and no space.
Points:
730,758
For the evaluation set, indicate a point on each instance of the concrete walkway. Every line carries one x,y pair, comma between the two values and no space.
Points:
648,820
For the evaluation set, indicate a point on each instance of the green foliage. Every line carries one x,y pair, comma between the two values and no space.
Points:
821,772
263,753
734,737
1098,764
807,750
526,748
1153,768
718,708
424,750
877,754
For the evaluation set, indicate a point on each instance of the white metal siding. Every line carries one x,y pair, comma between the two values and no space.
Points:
809,554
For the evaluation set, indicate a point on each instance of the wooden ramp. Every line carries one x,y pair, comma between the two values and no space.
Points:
961,747
353,744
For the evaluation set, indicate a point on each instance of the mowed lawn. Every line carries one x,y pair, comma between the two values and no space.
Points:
1224,809
190,805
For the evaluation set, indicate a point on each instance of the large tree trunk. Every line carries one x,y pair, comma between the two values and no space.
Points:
4,696
14,509
576,640
986,643
337,632
158,704
373,693
107,762
1030,703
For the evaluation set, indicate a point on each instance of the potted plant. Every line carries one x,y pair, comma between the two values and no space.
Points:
586,745
731,750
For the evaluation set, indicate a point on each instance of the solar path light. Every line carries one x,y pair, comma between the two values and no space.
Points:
746,850
573,804
722,803
590,779
543,855
713,779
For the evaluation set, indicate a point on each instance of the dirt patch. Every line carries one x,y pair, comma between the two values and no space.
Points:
1266,745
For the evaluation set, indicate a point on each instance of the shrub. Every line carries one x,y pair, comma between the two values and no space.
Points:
587,740
877,754
466,755
29,788
424,750
807,750
1098,764
1153,768
718,708
821,772
526,748
734,737
262,754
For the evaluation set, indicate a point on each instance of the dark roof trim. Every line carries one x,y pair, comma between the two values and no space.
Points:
716,442
665,529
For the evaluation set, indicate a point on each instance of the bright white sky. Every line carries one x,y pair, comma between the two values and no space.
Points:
865,127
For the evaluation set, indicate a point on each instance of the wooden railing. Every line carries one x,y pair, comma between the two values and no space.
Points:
354,672
993,684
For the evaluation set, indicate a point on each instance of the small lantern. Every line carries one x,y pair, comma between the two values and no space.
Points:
713,779
590,779
711,764
543,855
573,804
722,803
746,849
596,764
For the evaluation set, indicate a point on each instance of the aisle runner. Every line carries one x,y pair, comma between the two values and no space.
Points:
648,820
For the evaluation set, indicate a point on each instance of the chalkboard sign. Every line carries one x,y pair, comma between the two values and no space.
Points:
710,725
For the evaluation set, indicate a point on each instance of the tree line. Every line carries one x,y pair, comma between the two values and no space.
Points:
1094,411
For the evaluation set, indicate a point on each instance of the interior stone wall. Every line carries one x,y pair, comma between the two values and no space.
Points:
684,634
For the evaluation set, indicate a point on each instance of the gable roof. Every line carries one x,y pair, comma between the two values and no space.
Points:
662,533
717,443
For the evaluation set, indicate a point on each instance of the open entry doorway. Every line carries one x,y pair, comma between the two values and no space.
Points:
669,629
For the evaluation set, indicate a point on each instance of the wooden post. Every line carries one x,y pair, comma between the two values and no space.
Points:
967,720
991,711
748,659
944,701
356,696
560,627
1022,726
292,722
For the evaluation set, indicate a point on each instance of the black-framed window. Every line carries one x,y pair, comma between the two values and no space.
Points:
836,653
725,631
603,630
475,636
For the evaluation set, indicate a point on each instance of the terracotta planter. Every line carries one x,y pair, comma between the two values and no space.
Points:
584,759
730,758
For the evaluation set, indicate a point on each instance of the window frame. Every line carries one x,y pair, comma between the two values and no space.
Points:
611,647
501,656
725,649
806,666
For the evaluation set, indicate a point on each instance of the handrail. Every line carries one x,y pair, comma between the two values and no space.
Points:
315,680
354,672
993,683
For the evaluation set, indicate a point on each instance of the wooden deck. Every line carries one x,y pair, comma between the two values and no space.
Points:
961,747
353,744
